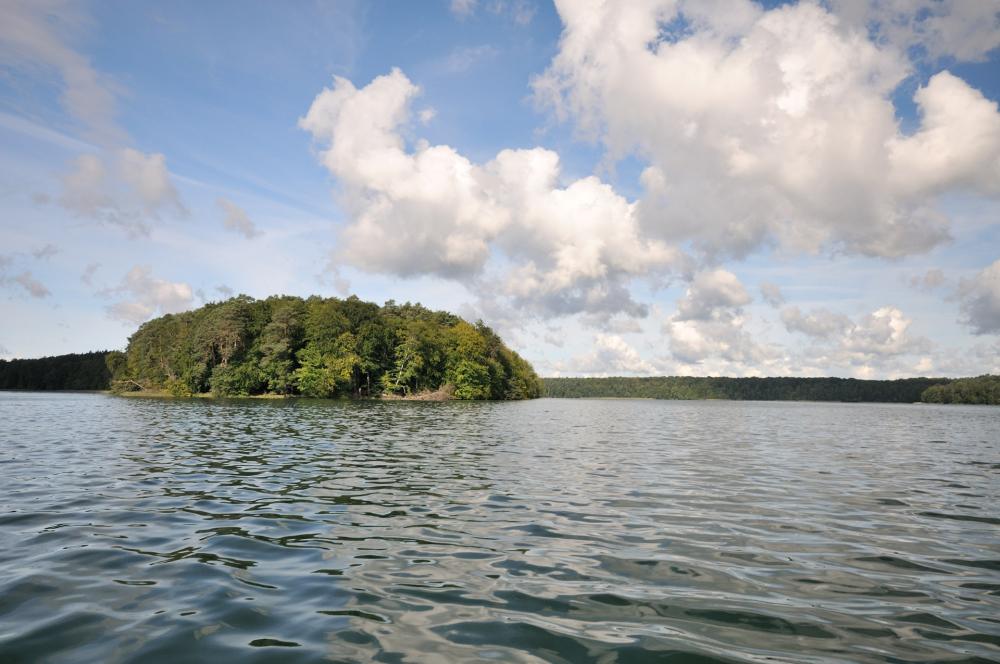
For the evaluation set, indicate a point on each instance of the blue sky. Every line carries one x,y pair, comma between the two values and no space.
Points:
790,188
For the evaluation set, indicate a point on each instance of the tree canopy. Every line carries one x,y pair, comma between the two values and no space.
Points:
75,371
320,347
907,390
979,390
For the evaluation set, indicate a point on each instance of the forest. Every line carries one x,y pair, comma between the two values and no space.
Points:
331,347
907,390
76,371
315,347
320,347
979,390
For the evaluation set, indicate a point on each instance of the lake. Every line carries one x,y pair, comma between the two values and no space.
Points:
147,530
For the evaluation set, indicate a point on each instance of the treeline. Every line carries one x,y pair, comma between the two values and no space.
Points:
907,390
77,371
979,390
320,347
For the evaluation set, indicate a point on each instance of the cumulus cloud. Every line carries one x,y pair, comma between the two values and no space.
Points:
610,355
609,323
236,219
878,343
771,293
710,292
146,296
980,300
957,145
769,125
427,209
819,323
709,327
962,29
883,332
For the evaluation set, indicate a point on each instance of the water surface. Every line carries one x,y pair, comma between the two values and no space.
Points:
136,530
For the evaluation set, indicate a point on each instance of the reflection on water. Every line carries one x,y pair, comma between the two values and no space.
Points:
552,530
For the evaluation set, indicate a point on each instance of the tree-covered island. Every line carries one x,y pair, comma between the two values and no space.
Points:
333,348
315,347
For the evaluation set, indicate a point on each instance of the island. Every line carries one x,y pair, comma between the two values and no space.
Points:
286,346
290,346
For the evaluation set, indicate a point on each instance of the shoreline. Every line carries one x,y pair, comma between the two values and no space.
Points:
442,394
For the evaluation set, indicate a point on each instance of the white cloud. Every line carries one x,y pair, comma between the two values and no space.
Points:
125,188
520,11
83,188
120,185
236,219
33,34
610,323
463,8
611,356
980,300
147,296
463,59
930,280
430,210
771,293
963,29
426,115
957,145
709,328
877,344
147,177
721,345
709,292
820,323
768,125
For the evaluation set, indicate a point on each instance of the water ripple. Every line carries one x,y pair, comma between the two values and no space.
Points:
545,531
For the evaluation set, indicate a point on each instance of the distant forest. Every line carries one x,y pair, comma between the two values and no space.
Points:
316,347
984,390
77,371
331,347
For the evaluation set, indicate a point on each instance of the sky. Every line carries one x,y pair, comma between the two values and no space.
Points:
653,187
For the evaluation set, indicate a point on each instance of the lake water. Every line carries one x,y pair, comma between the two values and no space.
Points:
144,530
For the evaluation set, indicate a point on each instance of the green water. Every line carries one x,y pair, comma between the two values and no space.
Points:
544,531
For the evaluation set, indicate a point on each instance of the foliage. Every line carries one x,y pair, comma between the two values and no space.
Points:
76,371
980,390
321,347
906,390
